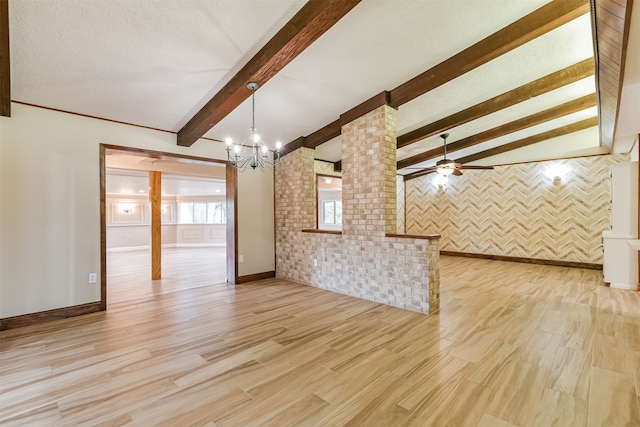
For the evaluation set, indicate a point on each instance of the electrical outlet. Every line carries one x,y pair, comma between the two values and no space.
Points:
241,258
315,262
93,278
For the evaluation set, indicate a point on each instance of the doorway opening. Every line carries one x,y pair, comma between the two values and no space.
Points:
194,226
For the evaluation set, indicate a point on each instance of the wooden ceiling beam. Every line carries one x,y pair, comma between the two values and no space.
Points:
540,21
383,98
534,139
612,21
293,146
313,20
553,133
530,90
516,125
529,27
5,65
324,134
334,129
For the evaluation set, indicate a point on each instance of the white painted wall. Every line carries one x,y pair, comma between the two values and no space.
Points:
256,222
50,205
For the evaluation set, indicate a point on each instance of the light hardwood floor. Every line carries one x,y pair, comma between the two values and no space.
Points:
513,345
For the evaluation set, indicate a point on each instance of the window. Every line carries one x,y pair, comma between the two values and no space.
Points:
202,213
332,212
329,202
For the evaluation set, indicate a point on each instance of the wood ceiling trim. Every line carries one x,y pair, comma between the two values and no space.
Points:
5,65
534,139
293,146
313,20
525,92
324,134
514,126
553,133
383,98
612,19
531,26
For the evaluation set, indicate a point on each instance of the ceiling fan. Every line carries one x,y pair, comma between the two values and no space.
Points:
446,167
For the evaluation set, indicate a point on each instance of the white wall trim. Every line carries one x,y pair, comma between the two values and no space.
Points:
624,286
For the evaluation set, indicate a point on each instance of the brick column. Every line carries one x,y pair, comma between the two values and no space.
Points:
369,174
295,206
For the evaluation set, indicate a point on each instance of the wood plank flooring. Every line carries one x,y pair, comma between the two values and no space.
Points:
513,345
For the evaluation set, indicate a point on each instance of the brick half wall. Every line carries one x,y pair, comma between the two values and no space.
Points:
363,261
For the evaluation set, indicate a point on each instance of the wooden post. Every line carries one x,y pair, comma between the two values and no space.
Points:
232,220
155,197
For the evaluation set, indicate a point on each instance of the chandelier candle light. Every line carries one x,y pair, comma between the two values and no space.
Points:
251,152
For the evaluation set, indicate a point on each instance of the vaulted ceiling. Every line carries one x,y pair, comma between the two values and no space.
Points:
509,80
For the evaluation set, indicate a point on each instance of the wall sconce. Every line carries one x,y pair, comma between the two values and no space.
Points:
126,209
440,182
557,172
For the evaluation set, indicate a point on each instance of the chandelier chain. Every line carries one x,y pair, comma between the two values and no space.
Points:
252,153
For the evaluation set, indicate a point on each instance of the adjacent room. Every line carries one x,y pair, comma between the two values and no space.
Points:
319,213
192,225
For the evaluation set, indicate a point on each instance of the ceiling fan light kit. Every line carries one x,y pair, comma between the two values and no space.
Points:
252,152
446,167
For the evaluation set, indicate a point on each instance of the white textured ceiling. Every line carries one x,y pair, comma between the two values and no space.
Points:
134,183
152,63
157,62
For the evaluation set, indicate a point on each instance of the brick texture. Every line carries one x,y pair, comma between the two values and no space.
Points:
362,262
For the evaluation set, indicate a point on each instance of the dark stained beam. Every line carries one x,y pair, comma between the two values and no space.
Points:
612,21
337,166
516,125
313,20
383,98
5,65
334,129
553,133
323,135
292,146
534,139
535,24
530,90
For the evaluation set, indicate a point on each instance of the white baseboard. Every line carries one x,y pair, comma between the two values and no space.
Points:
624,286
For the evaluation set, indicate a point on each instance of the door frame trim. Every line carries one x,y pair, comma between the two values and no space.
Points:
232,230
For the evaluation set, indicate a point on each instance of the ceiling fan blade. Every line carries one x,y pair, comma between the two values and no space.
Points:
456,172
422,172
476,167
422,168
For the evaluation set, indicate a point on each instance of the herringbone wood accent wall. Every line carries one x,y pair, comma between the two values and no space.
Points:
517,210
